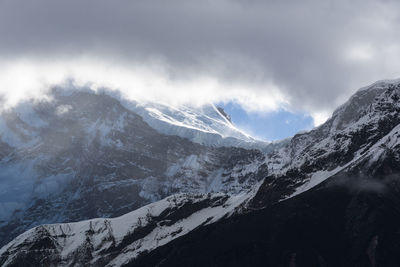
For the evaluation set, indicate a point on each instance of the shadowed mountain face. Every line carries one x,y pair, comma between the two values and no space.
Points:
84,155
333,225
328,197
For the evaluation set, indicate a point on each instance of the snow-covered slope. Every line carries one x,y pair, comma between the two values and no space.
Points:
117,241
207,124
350,137
361,139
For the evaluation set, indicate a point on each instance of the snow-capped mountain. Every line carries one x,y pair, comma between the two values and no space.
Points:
338,184
354,135
84,155
331,197
207,124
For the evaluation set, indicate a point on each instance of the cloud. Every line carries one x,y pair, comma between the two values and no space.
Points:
306,56
33,78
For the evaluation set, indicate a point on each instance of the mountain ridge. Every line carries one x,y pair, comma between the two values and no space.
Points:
85,155
355,154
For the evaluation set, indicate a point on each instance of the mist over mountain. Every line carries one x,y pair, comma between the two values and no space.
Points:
84,155
179,186
200,133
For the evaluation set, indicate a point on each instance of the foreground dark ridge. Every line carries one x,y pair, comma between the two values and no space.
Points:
337,224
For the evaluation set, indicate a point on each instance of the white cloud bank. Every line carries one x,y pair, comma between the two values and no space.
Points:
305,56
28,78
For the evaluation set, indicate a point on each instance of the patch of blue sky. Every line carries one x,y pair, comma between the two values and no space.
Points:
269,126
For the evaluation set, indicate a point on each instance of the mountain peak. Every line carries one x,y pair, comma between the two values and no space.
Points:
223,113
103,160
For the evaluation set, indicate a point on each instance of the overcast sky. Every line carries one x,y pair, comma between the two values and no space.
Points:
300,56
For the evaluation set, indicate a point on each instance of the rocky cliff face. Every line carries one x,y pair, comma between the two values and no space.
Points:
328,197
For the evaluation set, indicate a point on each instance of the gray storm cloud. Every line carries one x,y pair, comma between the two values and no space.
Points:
315,53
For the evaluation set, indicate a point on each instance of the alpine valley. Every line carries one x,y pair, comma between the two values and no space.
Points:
92,179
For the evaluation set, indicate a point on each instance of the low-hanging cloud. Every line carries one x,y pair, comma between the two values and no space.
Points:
305,56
